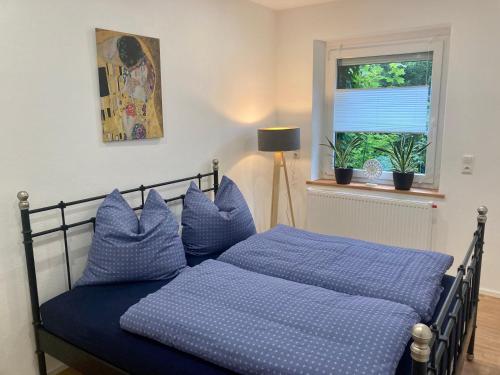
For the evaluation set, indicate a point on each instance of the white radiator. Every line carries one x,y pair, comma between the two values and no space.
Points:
388,221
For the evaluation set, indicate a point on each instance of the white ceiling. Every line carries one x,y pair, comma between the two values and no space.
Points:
286,4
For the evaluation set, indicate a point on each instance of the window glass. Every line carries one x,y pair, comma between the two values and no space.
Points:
380,98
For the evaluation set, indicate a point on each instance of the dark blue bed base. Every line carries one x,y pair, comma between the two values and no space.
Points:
74,330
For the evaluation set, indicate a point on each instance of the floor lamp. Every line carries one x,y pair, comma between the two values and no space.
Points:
278,140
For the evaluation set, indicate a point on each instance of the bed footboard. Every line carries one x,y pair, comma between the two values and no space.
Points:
442,347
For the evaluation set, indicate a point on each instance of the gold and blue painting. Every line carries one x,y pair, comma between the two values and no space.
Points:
129,86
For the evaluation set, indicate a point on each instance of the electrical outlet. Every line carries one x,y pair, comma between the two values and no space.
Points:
467,164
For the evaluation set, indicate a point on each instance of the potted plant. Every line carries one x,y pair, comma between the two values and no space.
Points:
342,154
402,153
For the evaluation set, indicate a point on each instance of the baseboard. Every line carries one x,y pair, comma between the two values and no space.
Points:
489,292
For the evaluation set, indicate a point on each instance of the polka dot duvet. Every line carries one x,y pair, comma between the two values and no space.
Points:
257,324
407,276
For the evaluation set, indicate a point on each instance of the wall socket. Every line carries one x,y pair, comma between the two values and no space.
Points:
467,164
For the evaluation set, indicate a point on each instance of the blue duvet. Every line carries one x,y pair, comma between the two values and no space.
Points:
256,324
410,277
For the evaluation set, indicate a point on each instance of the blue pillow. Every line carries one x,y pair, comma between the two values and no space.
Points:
125,248
210,227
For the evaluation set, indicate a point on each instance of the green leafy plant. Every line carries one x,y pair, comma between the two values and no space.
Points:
402,153
343,151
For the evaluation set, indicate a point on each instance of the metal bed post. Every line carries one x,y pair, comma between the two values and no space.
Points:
478,255
30,265
215,168
64,228
420,349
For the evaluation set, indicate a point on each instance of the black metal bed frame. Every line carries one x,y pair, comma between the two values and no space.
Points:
436,350
439,349
46,342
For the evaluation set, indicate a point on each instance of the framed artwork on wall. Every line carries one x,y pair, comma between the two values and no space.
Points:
129,86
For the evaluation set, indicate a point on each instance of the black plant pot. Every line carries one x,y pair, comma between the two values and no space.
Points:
403,181
343,176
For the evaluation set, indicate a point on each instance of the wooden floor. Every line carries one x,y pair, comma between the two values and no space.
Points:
487,351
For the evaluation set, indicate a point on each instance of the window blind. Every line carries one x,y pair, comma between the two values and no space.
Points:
402,57
382,110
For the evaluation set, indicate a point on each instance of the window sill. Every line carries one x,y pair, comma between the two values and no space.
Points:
382,188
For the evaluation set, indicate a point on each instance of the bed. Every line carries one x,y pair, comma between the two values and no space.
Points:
88,317
80,327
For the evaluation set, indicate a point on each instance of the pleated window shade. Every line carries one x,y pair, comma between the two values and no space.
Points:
382,110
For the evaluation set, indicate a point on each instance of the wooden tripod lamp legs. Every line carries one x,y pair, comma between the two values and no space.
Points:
279,161
276,189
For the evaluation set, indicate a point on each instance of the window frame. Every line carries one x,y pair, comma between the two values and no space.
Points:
391,46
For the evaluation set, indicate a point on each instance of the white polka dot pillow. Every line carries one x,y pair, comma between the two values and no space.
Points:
212,227
126,248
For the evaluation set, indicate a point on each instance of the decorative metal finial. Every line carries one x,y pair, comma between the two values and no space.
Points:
482,211
215,164
422,336
23,200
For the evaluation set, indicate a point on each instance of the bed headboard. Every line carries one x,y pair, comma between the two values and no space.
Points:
28,235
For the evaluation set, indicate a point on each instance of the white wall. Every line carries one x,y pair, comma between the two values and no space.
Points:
224,65
217,60
472,108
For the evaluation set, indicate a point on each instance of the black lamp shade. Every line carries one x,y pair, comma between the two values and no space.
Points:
279,139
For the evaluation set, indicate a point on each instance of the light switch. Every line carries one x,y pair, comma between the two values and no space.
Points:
467,164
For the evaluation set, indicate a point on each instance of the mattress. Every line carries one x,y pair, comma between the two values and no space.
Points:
88,317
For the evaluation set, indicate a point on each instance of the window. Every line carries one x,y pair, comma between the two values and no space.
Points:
382,91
